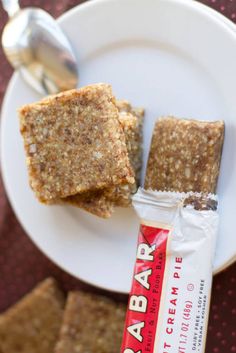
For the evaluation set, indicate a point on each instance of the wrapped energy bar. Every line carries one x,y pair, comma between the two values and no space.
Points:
185,155
170,295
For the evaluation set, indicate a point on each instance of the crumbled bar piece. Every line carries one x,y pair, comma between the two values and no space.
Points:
91,323
102,202
74,143
201,202
33,324
185,155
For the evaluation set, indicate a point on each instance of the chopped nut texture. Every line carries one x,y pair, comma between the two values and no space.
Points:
33,324
74,143
91,323
185,155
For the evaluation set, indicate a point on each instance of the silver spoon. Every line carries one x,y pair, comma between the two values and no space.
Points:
36,46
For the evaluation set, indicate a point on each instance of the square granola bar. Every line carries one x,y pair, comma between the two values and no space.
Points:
74,143
92,323
33,324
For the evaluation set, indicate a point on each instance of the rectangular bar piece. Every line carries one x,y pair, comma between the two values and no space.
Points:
91,323
74,143
33,324
185,155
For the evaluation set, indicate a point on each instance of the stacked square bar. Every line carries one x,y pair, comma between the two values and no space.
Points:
79,147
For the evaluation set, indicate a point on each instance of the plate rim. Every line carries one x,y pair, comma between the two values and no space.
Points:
63,18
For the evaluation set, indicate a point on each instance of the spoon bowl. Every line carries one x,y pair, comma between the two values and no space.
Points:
36,46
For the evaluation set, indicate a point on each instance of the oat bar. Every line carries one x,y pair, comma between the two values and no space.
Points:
91,323
185,155
33,324
74,143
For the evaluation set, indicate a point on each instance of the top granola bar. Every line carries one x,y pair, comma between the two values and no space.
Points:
74,143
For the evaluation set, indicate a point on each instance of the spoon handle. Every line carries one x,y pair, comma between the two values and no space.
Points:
11,6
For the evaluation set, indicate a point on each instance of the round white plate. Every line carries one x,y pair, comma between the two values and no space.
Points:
169,56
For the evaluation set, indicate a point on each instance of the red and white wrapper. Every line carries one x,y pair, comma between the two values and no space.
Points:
170,295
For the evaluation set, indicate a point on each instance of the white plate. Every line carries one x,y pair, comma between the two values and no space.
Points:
171,57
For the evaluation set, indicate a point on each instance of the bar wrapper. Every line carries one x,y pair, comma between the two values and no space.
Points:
170,295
